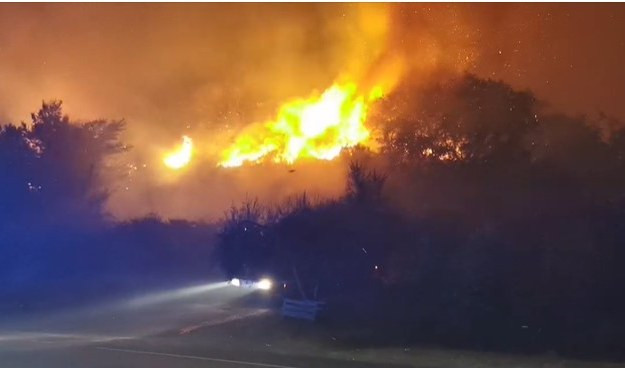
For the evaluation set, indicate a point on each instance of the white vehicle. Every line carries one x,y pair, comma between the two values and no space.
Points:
262,284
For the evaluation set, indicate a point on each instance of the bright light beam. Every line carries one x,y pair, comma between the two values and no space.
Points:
175,294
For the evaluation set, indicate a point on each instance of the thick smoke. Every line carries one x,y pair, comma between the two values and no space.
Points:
206,70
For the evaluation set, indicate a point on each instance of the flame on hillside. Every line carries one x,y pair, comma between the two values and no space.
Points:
317,127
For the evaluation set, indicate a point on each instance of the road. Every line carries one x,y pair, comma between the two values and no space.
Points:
154,330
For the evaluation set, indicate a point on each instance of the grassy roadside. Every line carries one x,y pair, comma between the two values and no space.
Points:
270,333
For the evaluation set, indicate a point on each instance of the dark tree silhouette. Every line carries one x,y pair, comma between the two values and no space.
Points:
364,185
52,167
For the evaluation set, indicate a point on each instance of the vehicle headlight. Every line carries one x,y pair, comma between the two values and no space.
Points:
235,282
264,284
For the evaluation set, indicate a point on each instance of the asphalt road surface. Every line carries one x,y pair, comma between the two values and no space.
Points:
137,332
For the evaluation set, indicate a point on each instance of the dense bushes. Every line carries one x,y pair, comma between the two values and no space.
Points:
495,225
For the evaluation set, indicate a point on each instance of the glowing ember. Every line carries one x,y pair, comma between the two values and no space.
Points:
318,127
181,156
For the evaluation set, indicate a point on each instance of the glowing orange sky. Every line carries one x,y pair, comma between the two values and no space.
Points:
205,70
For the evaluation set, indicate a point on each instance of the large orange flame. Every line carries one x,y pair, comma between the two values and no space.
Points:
318,127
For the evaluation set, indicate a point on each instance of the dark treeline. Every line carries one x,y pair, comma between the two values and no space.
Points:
58,245
484,221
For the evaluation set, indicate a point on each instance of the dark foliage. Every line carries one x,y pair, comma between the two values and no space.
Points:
57,245
495,226
52,167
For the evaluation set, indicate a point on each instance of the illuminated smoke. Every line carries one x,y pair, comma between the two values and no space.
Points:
211,70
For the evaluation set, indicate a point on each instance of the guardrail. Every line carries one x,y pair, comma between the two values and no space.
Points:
301,309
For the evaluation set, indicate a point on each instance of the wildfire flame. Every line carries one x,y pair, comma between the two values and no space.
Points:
318,127
180,157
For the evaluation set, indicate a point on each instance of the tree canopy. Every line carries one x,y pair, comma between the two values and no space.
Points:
53,165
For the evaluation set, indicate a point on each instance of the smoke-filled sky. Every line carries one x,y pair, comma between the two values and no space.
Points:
206,70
